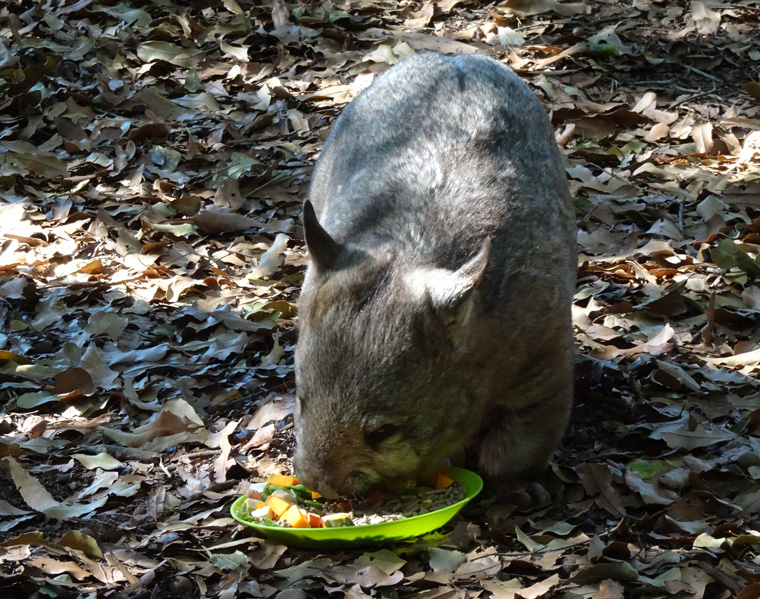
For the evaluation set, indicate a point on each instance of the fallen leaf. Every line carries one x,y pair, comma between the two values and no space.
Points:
39,499
100,460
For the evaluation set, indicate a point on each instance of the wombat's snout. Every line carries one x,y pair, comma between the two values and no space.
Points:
331,481
315,482
321,487
313,477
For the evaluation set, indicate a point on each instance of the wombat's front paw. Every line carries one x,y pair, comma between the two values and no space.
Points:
506,499
528,496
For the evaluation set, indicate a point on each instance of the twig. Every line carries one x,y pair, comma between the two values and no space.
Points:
694,96
551,71
539,551
700,72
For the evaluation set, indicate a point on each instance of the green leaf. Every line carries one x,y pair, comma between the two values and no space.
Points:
239,164
582,206
604,49
705,540
193,82
34,399
228,561
621,571
171,53
337,15
128,15
446,560
44,166
728,255
35,372
179,230
647,469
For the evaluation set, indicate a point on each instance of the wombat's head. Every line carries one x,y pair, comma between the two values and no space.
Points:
379,393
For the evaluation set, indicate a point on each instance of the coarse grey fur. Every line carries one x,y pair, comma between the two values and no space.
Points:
435,313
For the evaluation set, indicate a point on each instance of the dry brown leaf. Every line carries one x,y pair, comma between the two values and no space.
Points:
421,17
540,588
536,7
753,89
38,498
703,137
223,462
176,423
751,358
597,481
657,132
101,460
73,379
278,408
213,221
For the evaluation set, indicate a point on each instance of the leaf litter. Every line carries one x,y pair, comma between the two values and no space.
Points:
154,159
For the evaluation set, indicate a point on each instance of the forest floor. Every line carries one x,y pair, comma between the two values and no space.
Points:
154,157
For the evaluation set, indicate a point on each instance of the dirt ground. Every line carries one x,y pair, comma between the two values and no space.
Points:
154,157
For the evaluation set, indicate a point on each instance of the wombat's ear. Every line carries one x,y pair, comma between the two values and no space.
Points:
324,250
448,290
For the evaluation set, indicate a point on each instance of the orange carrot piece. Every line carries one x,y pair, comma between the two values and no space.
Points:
281,480
279,506
440,480
374,498
296,518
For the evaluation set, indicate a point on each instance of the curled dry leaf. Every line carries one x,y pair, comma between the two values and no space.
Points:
39,499
212,221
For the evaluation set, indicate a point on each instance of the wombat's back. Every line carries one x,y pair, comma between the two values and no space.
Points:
438,153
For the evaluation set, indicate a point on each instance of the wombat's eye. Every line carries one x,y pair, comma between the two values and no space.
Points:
380,434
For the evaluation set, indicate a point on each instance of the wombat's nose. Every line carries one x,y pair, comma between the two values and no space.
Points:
313,480
318,484
327,491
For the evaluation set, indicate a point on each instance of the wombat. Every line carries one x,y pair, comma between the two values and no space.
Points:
435,311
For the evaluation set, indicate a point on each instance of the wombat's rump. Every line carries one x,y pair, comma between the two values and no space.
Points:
435,313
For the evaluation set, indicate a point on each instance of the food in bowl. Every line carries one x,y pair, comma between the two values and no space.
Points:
282,501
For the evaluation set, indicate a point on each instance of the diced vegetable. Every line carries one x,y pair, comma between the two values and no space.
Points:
440,480
263,512
279,506
281,480
315,521
283,494
336,520
400,486
253,504
301,491
295,518
374,498
283,501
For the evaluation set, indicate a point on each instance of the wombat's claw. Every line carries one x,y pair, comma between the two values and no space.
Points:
526,496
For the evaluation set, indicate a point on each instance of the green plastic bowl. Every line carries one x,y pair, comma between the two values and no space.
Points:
368,534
